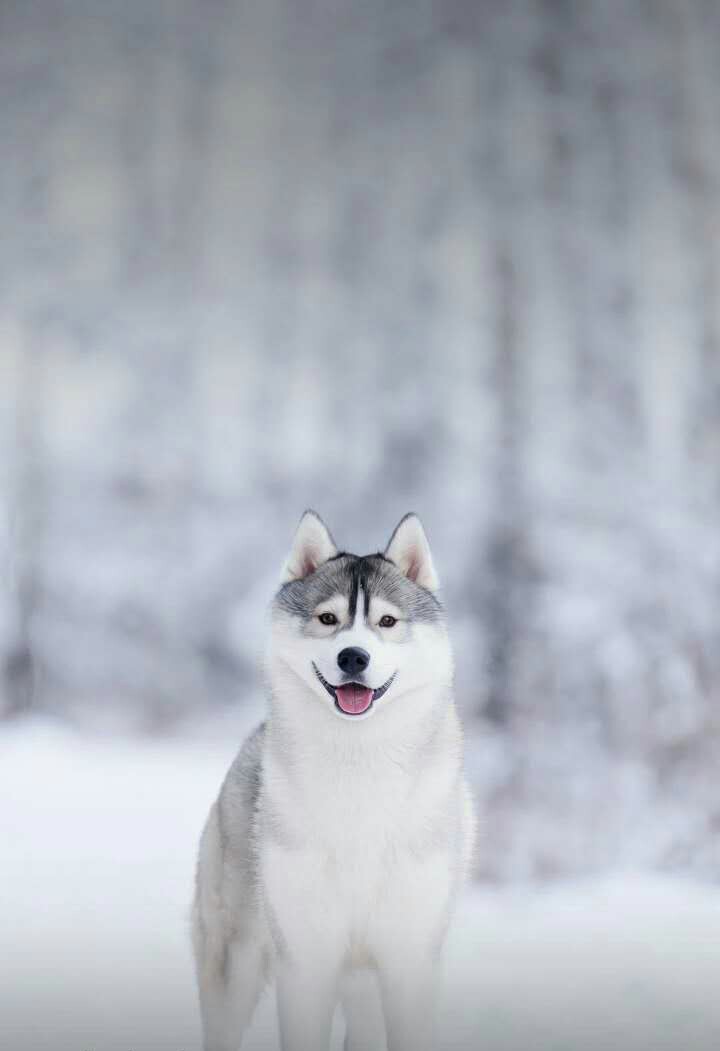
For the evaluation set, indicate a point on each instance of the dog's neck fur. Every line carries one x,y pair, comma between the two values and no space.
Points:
347,788
302,727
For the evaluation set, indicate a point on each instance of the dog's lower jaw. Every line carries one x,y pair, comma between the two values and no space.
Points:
345,709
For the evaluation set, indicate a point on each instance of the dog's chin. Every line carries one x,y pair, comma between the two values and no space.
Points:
353,700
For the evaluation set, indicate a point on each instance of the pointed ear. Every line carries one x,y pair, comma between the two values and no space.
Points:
312,546
410,551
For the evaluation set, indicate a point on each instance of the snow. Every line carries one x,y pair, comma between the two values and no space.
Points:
99,837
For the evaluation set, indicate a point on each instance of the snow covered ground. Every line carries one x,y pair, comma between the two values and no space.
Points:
98,842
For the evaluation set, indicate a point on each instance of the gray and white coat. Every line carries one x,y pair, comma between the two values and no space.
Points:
335,852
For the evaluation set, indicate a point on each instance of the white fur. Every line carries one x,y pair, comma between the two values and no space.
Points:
360,840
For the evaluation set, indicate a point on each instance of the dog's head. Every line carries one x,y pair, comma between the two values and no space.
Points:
361,630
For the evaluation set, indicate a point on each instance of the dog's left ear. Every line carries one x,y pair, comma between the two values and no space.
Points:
311,546
410,551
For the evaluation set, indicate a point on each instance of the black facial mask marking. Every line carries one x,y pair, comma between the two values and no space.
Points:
346,574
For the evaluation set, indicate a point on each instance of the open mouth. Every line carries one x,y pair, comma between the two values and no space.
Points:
352,698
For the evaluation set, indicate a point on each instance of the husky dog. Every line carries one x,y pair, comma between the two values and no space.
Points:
334,854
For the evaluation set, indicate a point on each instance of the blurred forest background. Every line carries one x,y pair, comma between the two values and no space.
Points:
461,258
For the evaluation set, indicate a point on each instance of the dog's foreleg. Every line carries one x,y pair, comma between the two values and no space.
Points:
362,1008
229,993
306,923
307,994
408,994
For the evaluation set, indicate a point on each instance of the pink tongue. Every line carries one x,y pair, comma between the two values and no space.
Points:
353,699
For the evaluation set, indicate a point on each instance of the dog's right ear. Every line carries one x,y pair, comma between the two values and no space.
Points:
312,546
410,551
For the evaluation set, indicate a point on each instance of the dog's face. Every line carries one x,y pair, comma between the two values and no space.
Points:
361,631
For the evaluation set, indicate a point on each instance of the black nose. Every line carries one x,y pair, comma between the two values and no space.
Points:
353,660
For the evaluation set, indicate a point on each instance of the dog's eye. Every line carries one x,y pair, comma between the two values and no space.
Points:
387,621
328,619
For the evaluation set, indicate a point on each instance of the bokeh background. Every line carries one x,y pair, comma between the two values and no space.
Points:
461,258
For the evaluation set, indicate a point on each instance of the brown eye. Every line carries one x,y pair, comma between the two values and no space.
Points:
328,619
387,621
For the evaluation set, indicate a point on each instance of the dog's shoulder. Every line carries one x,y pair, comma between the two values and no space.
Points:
241,787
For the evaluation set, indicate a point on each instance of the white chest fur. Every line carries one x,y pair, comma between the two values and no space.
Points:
361,832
